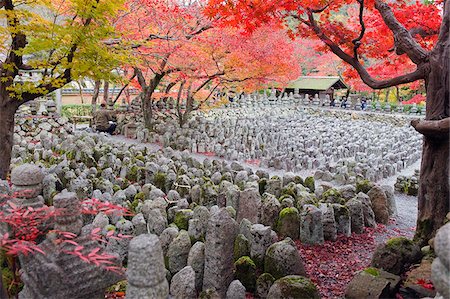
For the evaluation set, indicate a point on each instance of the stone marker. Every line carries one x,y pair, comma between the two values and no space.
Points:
146,273
56,266
220,235
182,284
282,258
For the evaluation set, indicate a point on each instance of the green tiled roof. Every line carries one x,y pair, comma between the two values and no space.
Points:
317,83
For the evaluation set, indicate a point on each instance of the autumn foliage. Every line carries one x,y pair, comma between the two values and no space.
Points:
181,52
340,23
23,228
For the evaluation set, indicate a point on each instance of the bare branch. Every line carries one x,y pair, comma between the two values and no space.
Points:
404,41
125,86
419,73
207,98
357,41
433,128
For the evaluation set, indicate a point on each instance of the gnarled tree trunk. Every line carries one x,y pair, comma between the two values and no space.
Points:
434,180
7,112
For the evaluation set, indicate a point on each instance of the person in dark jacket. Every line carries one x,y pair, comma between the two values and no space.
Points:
104,120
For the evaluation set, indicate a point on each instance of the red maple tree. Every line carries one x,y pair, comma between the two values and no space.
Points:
185,55
399,35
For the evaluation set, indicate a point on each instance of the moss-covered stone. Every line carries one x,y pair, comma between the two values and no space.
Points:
98,154
245,272
341,211
372,271
290,189
121,286
288,224
140,157
396,255
140,196
241,247
70,155
231,211
159,180
263,284
132,174
262,183
332,196
412,189
182,218
282,258
293,286
397,242
88,160
116,188
363,186
298,180
310,183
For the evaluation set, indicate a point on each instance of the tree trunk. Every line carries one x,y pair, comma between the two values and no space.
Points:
80,88
95,95
433,198
388,91
147,109
7,112
106,92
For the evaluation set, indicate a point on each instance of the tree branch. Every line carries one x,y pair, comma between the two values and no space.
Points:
18,40
357,41
433,128
206,99
123,88
418,74
404,41
140,78
66,75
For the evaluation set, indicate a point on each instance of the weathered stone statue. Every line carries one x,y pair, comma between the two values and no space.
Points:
56,274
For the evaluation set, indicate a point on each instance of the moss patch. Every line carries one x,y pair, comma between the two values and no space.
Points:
245,272
398,242
287,211
182,219
310,183
116,188
294,286
363,186
121,286
12,287
331,196
159,180
372,271
241,247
